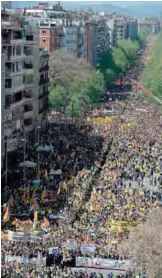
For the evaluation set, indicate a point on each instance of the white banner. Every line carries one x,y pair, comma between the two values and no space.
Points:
18,236
103,263
37,261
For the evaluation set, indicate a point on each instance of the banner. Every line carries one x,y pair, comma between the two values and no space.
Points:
18,236
87,248
20,260
103,263
53,250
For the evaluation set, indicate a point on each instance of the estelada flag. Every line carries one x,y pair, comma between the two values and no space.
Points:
11,201
35,205
44,195
36,216
93,197
64,186
6,216
45,223
59,189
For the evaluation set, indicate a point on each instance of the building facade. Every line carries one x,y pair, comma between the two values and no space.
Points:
3,59
90,43
132,29
103,39
20,47
43,84
118,29
51,36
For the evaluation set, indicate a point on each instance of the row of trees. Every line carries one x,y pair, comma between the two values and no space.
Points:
152,75
76,87
117,61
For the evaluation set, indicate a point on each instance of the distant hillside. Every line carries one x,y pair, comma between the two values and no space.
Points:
135,9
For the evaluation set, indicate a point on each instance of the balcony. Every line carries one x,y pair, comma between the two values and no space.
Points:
10,73
12,58
9,91
13,41
43,94
15,105
43,81
28,114
44,68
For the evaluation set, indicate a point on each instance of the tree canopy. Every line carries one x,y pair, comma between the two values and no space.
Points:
73,83
152,75
117,60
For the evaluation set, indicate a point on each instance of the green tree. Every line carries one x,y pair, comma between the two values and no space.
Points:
152,74
58,97
130,49
120,60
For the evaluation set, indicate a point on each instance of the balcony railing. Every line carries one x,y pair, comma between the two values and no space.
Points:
44,81
44,68
43,94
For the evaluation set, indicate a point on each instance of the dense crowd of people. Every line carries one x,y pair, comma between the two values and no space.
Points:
110,178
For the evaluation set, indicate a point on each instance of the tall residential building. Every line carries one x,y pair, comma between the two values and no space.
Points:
50,36
13,40
118,30
131,29
71,39
3,58
90,47
31,78
103,39
43,84
20,46
53,14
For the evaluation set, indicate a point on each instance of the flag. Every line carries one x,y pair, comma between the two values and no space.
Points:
11,201
44,195
64,186
6,216
58,192
36,216
45,223
46,173
35,222
35,205
24,196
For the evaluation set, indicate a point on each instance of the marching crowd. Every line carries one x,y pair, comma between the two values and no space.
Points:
110,178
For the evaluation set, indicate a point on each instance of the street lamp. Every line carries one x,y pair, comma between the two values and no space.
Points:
24,147
38,128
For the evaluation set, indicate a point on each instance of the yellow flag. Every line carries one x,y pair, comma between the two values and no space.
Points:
6,216
36,216
64,186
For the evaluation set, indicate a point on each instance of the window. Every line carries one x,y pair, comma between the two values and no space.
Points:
43,41
43,31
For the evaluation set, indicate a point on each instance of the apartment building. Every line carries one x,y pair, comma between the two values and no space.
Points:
31,78
90,45
3,58
43,84
20,46
71,39
103,39
13,39
118,29
131,29
51,36
54,14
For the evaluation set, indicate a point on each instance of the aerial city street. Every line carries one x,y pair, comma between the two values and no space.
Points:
81,139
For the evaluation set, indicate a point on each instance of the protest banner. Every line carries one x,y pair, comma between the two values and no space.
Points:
103,263
53,250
